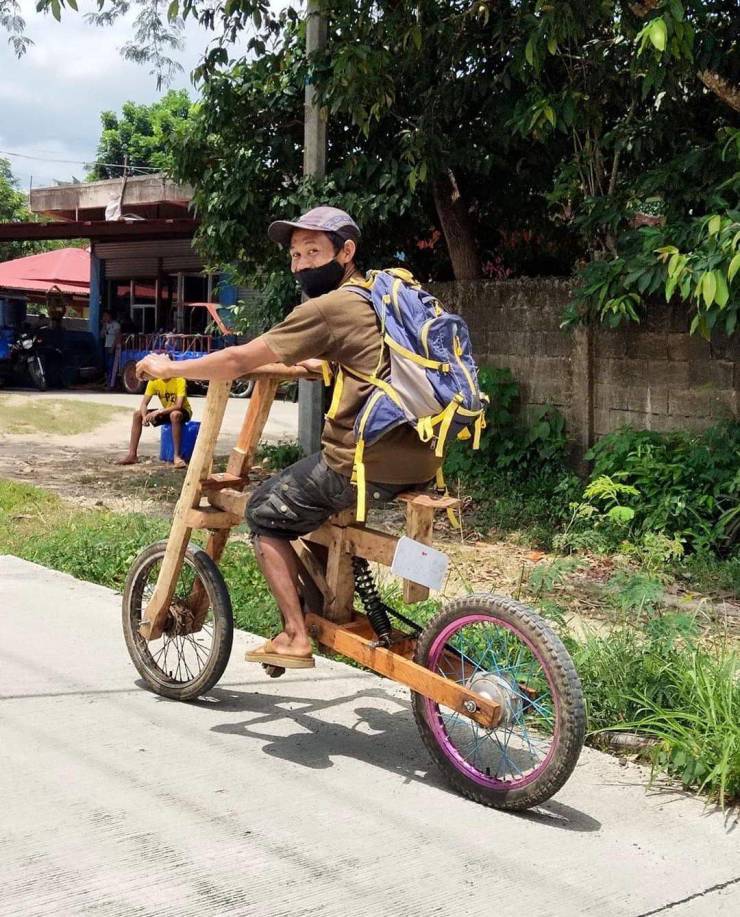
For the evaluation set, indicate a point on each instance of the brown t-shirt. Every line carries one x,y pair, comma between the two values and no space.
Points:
341,327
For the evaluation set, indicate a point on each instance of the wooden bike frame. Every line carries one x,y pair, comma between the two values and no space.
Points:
340,627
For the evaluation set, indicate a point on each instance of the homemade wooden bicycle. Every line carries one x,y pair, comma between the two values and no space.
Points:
495,694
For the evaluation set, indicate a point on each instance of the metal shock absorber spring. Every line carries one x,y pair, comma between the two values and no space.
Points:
367,590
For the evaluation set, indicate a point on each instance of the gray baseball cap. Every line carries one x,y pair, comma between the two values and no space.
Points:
323,219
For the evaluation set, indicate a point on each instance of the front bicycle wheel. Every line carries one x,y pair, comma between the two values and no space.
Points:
193,651
504,651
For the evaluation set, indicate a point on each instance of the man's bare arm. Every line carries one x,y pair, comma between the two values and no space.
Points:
222,366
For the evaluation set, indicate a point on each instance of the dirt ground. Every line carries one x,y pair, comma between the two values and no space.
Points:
80,469
80,466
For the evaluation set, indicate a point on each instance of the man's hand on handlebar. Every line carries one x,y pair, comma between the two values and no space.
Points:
156,366
312,365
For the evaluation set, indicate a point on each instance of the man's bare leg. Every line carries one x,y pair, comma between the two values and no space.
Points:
131,458
176,419
279,565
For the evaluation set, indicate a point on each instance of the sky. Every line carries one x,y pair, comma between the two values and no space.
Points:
51,98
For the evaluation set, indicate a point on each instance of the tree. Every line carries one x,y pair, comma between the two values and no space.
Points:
142,135
13,209
651,180
616,119
402,156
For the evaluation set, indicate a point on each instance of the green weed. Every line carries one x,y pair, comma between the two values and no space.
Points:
276,456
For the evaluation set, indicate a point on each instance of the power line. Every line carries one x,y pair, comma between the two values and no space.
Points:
81,162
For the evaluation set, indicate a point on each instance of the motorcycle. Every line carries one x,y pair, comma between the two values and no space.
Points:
35,360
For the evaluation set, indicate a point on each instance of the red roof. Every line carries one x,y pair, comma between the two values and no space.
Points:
66,268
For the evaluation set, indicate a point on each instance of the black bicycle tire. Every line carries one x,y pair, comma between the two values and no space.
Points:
220,603
572,711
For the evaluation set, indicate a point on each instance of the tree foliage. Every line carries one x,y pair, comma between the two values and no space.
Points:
142,135
651,181
13,209
488,124
14,24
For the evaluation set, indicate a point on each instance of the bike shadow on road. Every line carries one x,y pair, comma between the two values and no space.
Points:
378,736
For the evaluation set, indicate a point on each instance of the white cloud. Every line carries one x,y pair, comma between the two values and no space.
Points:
51,99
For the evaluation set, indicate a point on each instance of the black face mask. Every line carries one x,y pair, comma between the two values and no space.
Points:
315,281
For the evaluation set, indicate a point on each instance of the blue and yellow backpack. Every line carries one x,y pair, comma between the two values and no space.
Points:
433,382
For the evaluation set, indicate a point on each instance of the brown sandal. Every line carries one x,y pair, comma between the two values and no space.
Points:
268,655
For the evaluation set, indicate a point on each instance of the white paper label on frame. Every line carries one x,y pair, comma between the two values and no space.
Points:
420,563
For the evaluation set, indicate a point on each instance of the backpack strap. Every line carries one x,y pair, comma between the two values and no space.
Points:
358,472
439,483
415,357
336,397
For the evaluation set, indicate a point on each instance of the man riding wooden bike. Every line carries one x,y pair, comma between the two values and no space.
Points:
495,695
335,324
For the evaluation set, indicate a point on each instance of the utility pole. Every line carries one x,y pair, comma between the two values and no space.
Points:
310,394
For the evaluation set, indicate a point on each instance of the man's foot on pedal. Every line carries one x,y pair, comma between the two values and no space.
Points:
284,652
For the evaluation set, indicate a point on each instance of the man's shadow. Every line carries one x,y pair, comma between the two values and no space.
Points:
384,739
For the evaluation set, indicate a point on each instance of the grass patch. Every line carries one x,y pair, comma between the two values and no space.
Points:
99,546
662,682
59,417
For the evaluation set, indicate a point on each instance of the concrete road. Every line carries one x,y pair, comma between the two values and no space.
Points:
306,795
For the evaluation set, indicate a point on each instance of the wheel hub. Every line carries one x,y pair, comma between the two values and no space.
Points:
500,690
180,620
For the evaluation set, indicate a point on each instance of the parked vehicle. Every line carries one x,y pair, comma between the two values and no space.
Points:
32,361
135,347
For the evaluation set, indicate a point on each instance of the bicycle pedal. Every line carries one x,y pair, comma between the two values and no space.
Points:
274,671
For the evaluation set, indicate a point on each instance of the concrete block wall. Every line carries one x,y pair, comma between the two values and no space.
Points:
651,376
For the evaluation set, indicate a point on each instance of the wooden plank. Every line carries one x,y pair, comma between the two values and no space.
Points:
242,455
155,614
230,501
375,546
372,545
419,524
321,536
402,644
340,579
393,665
210,517
222,481
429,500
198,598
344,518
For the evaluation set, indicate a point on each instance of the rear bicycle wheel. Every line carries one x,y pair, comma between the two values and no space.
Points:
192,653
504,651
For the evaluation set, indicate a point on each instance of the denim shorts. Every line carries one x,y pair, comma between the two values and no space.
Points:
303,496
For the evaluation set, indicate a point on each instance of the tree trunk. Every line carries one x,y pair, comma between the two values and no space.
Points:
456,225
722,88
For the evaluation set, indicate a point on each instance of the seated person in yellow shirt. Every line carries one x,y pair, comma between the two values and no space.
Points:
175,410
